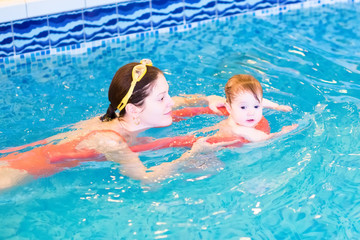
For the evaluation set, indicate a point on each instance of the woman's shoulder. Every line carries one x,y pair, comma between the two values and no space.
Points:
87,128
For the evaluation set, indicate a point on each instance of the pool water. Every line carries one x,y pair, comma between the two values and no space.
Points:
304,185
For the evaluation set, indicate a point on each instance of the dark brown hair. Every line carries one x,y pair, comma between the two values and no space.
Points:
242,83
120,85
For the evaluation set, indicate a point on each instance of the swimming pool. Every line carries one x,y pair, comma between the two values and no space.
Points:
301,186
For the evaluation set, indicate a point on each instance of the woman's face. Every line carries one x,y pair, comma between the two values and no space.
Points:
156,110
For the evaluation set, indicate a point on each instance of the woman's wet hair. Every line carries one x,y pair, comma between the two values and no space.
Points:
243,83
120,85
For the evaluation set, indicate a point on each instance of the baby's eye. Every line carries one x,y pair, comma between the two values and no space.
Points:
243,107
256,106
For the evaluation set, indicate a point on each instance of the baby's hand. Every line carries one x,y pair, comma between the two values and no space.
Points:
288,129
284,108
215,102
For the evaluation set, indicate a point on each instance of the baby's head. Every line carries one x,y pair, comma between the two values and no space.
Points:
244,99
241,83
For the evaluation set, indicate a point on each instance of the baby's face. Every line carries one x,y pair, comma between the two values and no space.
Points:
246,110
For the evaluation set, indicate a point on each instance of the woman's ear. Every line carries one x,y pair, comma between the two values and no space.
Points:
132,109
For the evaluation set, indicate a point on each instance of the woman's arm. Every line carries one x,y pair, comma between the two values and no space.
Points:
115,149
212,101
269,104
132,167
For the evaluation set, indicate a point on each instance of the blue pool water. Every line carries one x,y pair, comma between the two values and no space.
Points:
304,185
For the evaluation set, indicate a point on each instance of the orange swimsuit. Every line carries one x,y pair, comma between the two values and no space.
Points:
52,158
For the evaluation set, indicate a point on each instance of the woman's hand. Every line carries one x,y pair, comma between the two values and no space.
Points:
203,155
201,146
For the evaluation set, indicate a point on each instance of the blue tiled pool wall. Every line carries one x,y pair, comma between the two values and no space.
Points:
70,30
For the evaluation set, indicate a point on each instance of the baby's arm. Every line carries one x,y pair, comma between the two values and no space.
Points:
254,135
284,130
269,104
251,134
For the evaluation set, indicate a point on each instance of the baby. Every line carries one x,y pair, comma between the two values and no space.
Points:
245,103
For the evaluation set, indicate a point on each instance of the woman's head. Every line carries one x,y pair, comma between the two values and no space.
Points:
244,99
133,98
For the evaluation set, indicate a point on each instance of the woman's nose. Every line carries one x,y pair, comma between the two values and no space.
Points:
171,101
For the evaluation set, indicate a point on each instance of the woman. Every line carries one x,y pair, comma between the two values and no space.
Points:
140,92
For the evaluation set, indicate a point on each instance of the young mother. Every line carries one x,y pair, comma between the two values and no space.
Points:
139,92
